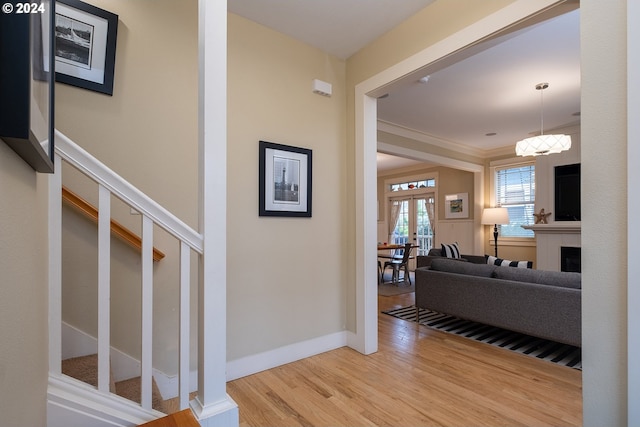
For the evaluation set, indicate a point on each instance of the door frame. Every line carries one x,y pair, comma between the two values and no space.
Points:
365,339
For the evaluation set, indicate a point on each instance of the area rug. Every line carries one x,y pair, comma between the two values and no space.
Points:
562,354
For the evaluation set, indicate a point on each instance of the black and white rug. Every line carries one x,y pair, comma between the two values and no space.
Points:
562,354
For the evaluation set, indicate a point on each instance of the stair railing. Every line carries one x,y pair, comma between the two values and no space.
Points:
110,183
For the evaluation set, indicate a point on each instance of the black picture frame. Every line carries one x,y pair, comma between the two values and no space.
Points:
85,52
27,82
285,178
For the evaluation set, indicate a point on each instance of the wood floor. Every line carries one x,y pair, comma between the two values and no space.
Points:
418,377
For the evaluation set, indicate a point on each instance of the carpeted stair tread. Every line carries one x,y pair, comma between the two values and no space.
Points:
85,369
130,389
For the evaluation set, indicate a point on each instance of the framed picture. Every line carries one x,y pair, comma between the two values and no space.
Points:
285,180
85,50
26,85
456,205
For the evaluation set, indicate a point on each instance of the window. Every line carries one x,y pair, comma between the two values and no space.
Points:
410,185
516,191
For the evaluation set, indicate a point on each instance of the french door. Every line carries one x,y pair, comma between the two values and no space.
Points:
413,216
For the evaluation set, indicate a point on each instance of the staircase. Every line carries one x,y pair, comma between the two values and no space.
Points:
85,369
82,390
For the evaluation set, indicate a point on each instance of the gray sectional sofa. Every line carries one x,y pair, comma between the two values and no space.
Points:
544,304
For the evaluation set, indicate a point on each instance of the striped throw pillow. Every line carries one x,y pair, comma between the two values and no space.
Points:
506,263
450,251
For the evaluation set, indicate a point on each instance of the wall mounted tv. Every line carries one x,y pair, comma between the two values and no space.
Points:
27,81
567,192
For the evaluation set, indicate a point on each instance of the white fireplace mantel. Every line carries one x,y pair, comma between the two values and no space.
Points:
556,227
550,238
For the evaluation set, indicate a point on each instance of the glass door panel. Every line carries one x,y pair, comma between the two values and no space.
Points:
414,216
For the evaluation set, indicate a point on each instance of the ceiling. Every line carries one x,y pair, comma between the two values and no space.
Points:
491,91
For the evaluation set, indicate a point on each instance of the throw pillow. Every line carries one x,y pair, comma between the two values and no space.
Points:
450,251
506,263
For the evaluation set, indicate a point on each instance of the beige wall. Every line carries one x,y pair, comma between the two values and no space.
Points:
425,28
286,276
23,292
147,132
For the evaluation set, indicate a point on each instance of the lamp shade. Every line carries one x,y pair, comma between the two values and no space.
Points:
495,216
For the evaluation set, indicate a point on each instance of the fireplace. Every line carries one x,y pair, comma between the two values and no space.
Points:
570,259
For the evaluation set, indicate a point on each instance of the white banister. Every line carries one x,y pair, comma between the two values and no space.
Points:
147,310
110,184
94,169
104,288
185,317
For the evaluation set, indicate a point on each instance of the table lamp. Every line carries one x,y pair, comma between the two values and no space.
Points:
495,216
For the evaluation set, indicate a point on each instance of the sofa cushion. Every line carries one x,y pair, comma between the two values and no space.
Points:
506,263
542,277
449,265
450,251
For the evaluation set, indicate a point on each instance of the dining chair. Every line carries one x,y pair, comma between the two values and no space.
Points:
400,263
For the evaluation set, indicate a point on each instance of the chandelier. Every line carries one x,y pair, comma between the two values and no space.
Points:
543,144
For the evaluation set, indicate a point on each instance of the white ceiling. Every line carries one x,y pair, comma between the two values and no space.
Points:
492,91
329,24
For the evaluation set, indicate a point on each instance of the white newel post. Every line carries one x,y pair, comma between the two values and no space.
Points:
212,406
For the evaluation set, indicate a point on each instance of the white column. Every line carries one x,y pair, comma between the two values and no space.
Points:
633,197
212,406
104,287
147,313
366,338
185,316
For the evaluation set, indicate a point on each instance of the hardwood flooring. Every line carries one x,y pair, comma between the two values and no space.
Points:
184,418
418,377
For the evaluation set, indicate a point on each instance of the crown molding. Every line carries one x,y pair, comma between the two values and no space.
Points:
416,135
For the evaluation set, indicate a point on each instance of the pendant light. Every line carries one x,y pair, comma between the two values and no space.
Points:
543,144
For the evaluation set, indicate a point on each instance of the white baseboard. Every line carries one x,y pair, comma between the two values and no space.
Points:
270,359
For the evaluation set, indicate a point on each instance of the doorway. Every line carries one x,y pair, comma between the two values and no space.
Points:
413,219
366,145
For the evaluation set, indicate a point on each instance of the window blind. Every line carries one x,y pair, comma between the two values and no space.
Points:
516,191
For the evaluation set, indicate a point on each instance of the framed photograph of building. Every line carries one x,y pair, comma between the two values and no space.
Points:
85,49
285,180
